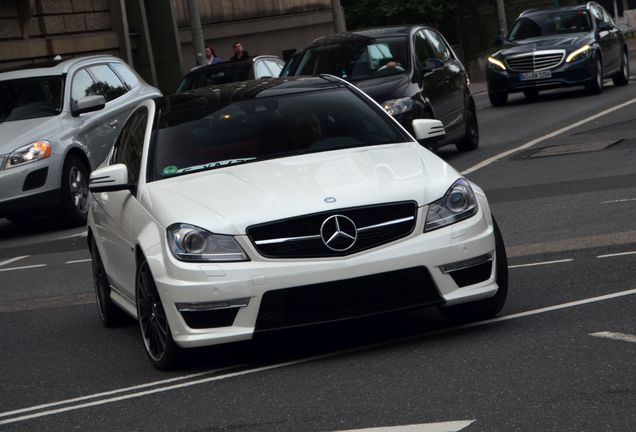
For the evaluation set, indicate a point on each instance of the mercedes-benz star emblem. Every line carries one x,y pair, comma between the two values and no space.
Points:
339,233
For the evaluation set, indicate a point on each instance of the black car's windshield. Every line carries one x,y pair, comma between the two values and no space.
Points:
549,24
28,98
251,130
357,59
221,73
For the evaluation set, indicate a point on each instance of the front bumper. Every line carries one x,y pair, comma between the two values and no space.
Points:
239,288
577,73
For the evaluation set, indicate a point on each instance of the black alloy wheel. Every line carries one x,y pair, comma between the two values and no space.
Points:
153,323
596,85
470,140
110,314
621,77
531,93
74,209
498,98
486,308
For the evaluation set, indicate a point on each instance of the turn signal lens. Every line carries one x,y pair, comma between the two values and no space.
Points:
33,152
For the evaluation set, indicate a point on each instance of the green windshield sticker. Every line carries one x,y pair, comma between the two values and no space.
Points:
170,170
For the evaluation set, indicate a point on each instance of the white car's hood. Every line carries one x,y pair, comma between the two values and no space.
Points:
19,133
228,200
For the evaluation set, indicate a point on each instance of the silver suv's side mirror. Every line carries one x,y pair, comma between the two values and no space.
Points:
428,131
112,178
87,104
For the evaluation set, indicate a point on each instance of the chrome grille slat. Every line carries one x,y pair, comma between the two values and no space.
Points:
535,61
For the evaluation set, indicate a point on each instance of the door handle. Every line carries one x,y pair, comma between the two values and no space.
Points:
114,124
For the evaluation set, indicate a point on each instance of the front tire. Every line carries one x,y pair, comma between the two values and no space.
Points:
596,86
109,313
621,77
470,140
74,209
486,308
161,349
498,98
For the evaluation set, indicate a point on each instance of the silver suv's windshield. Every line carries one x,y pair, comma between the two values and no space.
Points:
357,59
549,24
245,131
28,98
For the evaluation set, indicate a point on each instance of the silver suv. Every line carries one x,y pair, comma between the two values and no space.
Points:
57,123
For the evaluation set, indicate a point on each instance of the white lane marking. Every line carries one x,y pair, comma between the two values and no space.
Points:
618,201
452,426
82,234
616,254
12,260
22,268
536,141
311,359
616,336
78,261
112,392
541,263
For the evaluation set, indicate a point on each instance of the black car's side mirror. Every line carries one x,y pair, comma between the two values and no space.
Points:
432,64
604,26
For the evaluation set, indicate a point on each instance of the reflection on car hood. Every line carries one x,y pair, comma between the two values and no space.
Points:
22,132
545,43
384,88
229,200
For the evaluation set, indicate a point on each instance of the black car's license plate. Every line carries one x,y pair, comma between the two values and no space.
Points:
528,76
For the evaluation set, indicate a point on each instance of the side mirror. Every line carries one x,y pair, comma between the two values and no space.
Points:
428,131
87,104
112,178
432,64
604,26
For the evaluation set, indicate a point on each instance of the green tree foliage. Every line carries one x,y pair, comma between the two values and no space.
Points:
375,13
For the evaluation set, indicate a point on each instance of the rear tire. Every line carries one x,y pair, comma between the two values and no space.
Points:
596,86
498,98
163,352
109,312
621,77
74,192
486,308
470,140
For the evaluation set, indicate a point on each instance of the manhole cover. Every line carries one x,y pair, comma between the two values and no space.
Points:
573,148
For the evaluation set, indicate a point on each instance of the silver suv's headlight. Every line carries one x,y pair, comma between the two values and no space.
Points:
398,106
194,244
457,204
30,153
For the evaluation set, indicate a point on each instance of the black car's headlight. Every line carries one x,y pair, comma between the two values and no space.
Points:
579,54
457,204
194,244
30,153
496,64
398,106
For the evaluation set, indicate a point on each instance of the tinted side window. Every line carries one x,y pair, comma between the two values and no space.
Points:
130,144
126,74
439,45
423,49
83,85
109,83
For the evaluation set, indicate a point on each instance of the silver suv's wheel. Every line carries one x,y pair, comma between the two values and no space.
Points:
74,191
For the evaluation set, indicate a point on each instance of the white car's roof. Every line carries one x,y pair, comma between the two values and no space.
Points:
57,68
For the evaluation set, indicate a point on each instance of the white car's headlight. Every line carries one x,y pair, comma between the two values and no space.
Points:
398,106
457,204
194,244
579,54
30,153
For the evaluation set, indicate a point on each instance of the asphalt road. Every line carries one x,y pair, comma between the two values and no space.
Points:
560,357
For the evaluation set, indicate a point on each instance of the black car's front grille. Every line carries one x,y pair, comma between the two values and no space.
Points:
537,61
350,298
300,237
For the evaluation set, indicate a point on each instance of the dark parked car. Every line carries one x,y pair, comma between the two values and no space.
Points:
411,71
265,66
560,47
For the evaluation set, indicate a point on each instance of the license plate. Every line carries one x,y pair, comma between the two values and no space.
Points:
528,76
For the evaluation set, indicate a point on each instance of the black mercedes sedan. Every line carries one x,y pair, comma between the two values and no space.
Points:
559,47
410,70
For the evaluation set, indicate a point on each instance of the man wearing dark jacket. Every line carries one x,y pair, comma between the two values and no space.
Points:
239,52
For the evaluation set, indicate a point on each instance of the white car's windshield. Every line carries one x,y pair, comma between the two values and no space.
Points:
28,98
264,128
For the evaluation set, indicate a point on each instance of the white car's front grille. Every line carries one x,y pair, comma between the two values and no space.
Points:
536,61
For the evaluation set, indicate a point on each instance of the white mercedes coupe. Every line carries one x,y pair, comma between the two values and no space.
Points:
270,204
